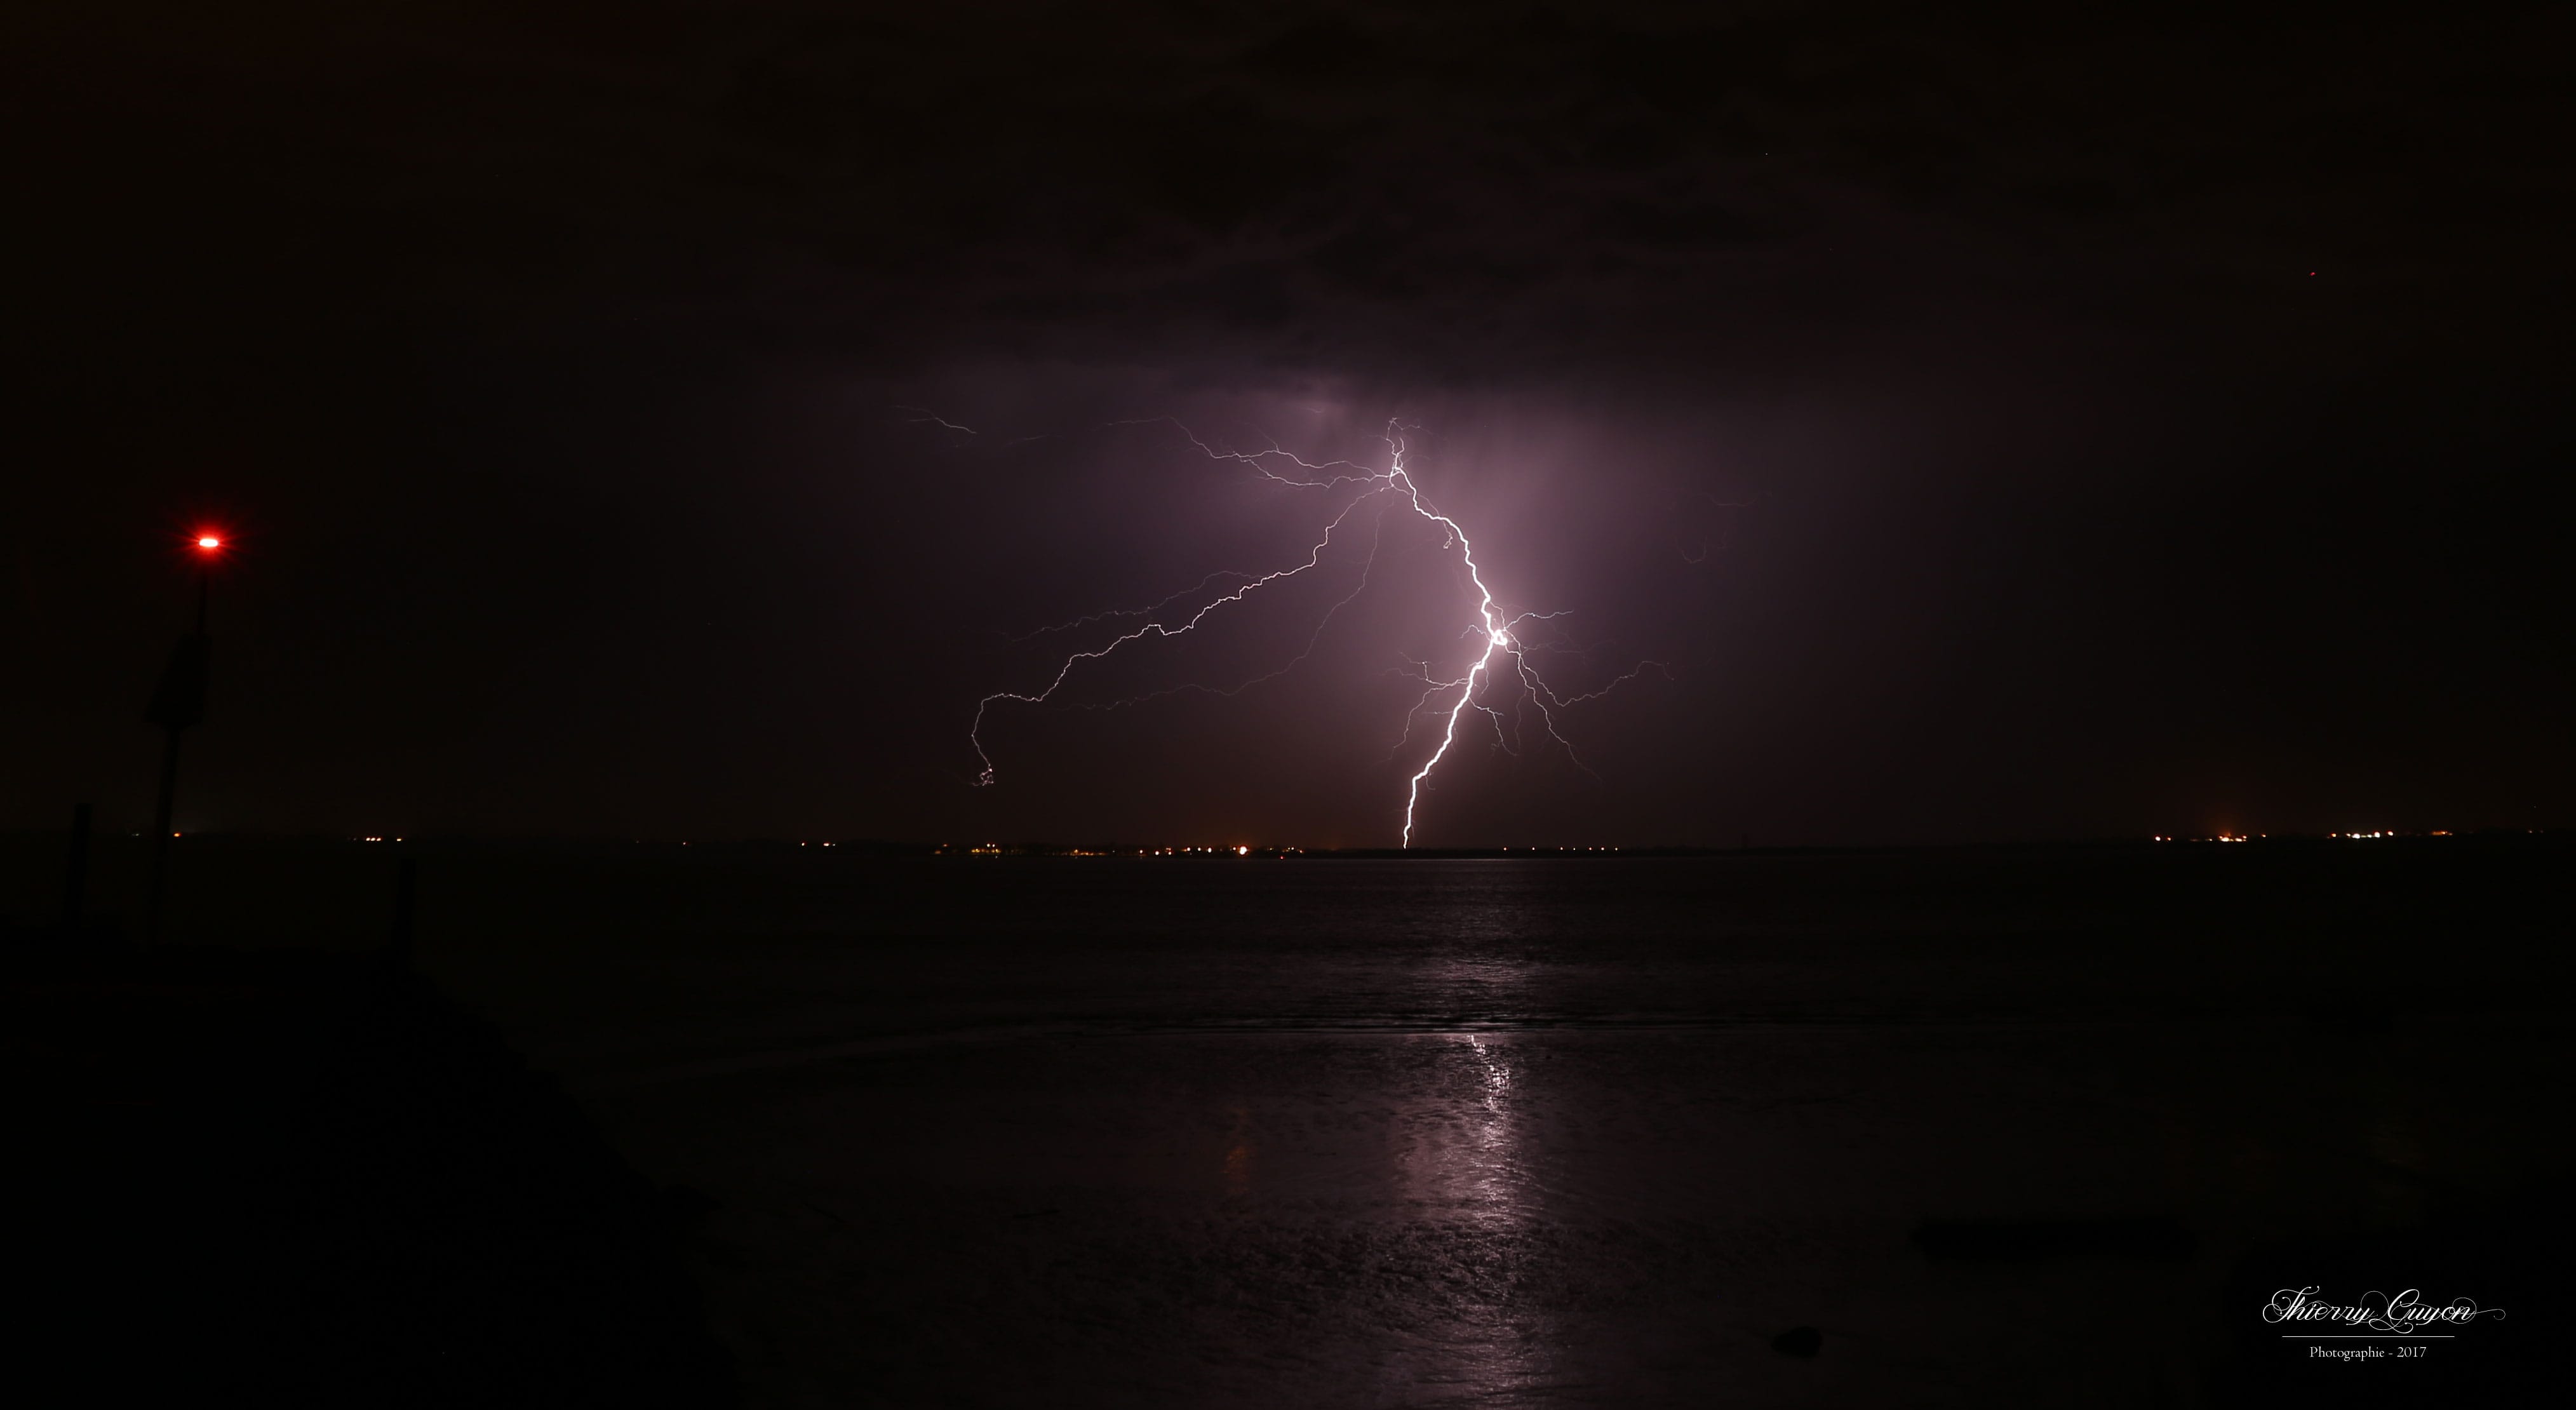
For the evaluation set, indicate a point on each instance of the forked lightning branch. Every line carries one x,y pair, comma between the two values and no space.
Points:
1500,673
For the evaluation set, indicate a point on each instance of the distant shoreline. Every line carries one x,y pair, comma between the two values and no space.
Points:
879,848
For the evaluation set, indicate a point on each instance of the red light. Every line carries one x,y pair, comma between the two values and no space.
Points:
209,542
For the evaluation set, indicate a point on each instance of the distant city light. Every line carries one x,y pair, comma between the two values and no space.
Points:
2379,834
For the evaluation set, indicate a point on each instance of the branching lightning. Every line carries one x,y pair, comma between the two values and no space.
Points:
1475,689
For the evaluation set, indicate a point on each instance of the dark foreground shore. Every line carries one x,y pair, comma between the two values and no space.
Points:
285,1178
1974,1128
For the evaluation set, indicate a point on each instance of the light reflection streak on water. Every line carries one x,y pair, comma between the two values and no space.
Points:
1491,1148
1458,1149
1461,1171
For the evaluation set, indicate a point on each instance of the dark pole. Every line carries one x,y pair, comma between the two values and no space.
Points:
76,874
178,703
161,832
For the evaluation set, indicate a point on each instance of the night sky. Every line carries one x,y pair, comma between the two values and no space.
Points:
2004,423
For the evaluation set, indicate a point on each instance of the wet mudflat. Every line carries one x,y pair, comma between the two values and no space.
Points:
1982,1128
1999,1128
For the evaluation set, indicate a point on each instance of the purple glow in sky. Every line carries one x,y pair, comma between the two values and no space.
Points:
1493,628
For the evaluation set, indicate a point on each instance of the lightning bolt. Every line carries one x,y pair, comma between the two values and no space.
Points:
1503,652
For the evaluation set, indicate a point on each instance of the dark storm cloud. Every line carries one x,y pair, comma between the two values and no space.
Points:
1464,185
